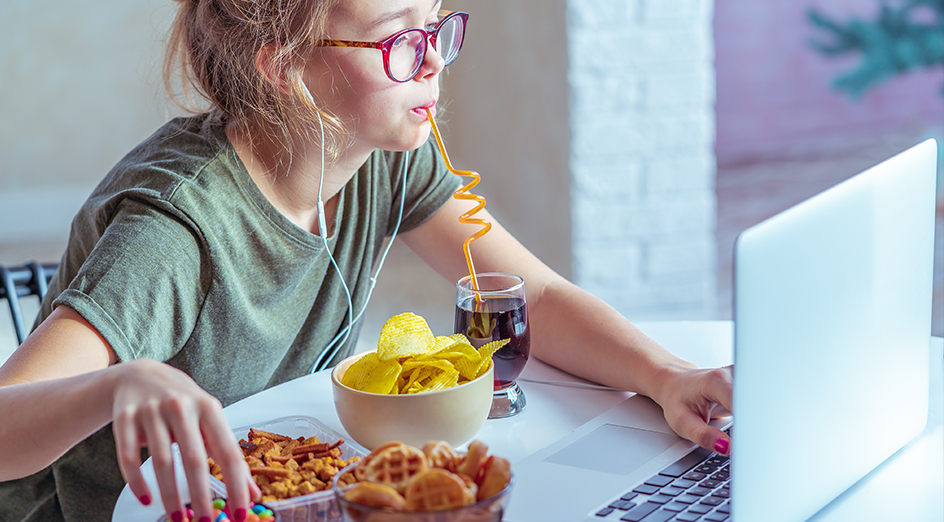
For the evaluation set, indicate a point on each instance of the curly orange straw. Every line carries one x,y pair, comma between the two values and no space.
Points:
463,193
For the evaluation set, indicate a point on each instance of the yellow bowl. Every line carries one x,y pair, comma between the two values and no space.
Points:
453,415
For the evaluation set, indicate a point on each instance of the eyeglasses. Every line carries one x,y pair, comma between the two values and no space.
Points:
404,52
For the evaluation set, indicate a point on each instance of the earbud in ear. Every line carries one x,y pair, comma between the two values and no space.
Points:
269,65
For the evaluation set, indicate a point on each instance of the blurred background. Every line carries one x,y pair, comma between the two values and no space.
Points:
625,142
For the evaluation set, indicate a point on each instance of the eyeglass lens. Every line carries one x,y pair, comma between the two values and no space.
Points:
409,50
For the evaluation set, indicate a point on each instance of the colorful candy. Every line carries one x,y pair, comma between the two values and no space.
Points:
257,513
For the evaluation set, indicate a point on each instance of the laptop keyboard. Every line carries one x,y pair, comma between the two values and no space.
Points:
694,488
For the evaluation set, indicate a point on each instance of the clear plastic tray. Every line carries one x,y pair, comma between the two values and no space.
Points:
315,507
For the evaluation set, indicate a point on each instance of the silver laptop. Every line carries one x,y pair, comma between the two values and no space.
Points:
832,309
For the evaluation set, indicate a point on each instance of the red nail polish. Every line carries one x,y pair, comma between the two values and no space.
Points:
178,516
205,519
146,500
241,515
721,446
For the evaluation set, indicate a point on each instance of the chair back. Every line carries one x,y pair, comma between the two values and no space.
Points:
30,279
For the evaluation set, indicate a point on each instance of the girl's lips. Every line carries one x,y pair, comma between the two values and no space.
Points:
421,111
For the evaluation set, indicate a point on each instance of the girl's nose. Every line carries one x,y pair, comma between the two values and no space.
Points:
433,63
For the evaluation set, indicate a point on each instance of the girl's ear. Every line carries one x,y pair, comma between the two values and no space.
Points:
273,67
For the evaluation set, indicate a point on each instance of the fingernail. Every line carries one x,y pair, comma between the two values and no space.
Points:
721,446
178,516
145,500
205,519
241,515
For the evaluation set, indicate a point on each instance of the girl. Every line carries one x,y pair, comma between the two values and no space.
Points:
228,251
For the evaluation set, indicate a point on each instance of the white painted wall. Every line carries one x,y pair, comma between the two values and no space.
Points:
79,87
642,99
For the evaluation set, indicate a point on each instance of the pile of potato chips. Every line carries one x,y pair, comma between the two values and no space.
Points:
409,359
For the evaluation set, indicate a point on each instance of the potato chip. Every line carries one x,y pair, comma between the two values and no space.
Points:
419,385
457,348
443,380
432,374
409,359
446,342
438,364
417,375
404,335
483,368
462,355
486,352
371,374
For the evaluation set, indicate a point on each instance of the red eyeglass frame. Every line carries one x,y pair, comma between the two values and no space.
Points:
429,37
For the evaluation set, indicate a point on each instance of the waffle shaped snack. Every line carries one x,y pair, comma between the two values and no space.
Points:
441,455
393,464
428,479
437,489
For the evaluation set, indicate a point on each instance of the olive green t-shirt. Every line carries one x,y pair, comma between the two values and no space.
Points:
177,256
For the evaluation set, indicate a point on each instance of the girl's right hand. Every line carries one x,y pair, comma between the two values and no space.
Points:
156,405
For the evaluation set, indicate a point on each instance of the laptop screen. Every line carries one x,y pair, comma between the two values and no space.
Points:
832,324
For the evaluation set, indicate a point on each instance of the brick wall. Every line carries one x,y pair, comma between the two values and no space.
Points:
642,121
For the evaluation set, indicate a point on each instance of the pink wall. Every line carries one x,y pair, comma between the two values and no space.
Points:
774,98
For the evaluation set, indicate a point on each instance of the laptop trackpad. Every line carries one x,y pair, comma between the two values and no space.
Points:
614,449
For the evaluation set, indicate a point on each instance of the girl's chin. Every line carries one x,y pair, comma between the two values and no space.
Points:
405,138
421,137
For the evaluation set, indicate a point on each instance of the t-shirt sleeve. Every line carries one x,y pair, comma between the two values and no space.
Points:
429,185
141,286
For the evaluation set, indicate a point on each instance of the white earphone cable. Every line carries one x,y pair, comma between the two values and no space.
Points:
331,350
324,358
323,230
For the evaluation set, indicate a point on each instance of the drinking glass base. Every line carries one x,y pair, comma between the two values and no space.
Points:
507,402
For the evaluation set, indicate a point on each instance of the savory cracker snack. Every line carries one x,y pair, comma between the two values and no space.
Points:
284,467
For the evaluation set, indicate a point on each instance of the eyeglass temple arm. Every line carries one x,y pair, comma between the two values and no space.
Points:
350,43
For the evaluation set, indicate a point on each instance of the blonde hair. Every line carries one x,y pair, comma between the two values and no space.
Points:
214,47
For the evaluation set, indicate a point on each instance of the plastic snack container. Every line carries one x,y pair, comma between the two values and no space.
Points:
320,506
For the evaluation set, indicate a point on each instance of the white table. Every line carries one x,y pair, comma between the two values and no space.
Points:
915,473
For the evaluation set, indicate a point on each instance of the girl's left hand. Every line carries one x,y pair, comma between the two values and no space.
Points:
691,397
